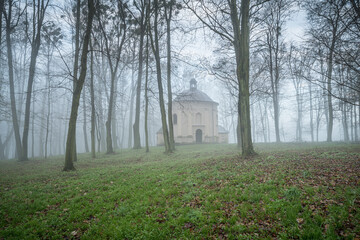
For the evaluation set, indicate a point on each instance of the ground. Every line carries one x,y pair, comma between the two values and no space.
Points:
288,191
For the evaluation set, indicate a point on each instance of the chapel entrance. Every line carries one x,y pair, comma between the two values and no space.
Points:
198,136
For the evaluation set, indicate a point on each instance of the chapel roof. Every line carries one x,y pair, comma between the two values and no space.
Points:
193,94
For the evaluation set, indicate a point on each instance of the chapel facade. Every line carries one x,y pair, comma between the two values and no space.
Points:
195,119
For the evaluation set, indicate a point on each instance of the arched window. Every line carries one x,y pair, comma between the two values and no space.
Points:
174,118
198,118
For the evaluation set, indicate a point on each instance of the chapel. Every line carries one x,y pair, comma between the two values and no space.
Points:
195,119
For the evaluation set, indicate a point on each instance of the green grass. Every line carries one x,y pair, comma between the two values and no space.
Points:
288,191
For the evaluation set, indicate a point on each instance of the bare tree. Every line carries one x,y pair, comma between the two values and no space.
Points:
10,24
169,11
154,37
92,96
242,48
275,15
232,26
297,70
113,49
70,142
52,37
141,22
327,29
39,10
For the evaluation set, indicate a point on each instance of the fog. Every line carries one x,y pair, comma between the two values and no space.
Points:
304,81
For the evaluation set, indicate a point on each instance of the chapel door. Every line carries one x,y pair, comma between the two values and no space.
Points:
198,136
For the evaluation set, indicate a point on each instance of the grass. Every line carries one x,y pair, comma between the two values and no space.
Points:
288,191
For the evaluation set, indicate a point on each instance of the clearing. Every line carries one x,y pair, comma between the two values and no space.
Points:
288,191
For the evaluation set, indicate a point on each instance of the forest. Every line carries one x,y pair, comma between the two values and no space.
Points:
88,86
107,71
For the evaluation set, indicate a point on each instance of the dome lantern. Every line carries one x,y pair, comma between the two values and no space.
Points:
193,84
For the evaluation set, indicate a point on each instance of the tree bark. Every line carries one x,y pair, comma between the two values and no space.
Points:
241,44
168,16
38,15
47,124
329,88
311,113
156,51
147,80
238,129
2,148
132,97
9,28
77,44
2,4
114,134
70,144
113,64
355,124
146,96
84,124
109,146
33,128
92,96
136,126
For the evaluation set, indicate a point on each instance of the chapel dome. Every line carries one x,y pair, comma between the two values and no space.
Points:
193,94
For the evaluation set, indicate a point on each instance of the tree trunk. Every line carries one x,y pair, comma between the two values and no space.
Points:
92,96
241,44
355,124
168,16
2,4
109,146
329,88
11,83
100,122
2,148
35,45
42,124
132,96
146,103
114,133
146,83
277,79
84,124
70,153
76,61
344,121
318,117
114,125
48,120
113,62
311,114
352,123
299,113
238,132
136,126
33,128
156,51
254,130
77,44
263,122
